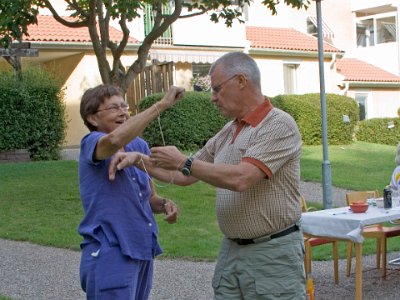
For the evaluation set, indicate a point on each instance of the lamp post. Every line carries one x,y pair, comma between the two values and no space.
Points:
326,165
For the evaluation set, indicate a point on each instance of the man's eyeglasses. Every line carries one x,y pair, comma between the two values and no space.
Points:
216,89
116,108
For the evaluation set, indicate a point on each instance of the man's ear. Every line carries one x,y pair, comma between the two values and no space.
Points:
92,120
242,80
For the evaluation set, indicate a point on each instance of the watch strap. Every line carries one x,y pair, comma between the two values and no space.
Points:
187,167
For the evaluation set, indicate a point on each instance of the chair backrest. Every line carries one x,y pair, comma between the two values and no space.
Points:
304,207
303,204
360,196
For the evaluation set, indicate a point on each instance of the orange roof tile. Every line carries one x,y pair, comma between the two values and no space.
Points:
49,30
357,70
284,39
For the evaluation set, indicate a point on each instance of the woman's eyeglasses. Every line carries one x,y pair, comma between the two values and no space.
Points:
116,108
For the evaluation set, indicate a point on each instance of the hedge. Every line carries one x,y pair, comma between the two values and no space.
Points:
380,131
187,125
306,110
191,122
32,113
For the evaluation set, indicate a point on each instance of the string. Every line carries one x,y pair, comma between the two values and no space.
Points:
159,124
163,140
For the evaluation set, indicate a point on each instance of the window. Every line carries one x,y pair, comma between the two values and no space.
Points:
200,69
376,30
386,30
200,80
148,19
365,33
312,28
290,78
361,99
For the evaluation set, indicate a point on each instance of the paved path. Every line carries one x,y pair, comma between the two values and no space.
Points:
32,272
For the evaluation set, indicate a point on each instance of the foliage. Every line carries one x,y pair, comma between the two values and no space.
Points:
15,18
188,125
306,110
380,130
32,113
96,15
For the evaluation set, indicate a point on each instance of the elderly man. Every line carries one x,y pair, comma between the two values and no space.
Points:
254,161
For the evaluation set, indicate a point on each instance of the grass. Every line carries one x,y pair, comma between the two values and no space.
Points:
359,166
39,201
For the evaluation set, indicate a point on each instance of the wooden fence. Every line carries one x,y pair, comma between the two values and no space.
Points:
156,78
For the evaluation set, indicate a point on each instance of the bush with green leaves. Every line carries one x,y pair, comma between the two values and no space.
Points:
188,125
32,113
379,131
306,110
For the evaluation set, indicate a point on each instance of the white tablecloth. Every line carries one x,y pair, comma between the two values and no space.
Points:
343,223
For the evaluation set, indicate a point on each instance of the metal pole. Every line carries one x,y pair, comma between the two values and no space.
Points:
326,165
398,37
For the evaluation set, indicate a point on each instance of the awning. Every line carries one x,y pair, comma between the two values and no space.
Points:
391,28
205,57
326,31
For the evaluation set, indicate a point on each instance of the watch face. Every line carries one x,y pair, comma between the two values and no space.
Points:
185,171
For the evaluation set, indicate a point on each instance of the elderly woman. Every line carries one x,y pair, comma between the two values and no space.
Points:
118,228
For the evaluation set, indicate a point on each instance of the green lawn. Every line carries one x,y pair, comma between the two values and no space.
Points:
359,166
39,201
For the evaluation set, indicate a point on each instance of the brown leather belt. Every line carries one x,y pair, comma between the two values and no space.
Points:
282,233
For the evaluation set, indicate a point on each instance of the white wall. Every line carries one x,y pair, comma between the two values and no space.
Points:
272,82
366,4
383,104
200,30
380,104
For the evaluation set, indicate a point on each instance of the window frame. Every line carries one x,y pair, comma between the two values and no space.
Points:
290,77
375,35
365,100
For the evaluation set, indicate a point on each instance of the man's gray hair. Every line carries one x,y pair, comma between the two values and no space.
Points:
234,63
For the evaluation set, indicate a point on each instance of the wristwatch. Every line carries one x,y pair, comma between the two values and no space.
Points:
187,166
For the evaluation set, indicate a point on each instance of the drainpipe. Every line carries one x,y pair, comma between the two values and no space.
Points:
333,61
346,88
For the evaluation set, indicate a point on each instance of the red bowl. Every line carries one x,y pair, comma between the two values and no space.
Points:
359,207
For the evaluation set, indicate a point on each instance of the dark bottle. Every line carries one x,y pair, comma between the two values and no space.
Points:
387,198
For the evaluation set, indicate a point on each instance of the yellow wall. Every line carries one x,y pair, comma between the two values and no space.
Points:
183,75
78,72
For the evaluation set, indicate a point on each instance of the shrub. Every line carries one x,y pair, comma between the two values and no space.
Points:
188,125
32,113
306,110
380,131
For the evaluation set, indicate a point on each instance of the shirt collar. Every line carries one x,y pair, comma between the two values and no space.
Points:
255,116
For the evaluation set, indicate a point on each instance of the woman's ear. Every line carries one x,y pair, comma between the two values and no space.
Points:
92,120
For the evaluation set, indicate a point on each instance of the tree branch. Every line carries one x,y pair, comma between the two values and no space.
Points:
157,31
61,20
100,52
193,14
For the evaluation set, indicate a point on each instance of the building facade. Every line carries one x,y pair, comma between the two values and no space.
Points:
359,36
